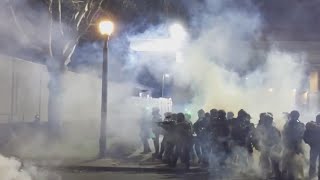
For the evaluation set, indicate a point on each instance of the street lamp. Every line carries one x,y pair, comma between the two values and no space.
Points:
106,28
177,32
164,76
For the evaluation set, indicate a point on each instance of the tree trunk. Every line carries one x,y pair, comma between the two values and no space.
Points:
55,102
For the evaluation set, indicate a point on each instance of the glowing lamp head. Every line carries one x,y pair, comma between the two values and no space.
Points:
177,32
106,27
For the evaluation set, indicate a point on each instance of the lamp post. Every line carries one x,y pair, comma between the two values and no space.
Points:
106,29
164,76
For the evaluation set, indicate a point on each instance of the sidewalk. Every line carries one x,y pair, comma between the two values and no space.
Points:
135,163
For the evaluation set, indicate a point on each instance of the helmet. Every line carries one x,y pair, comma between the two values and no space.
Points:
167,115
180,117
230,114
294,115
242,113
201,113
318,118
262,116
221,113
269,119
214,112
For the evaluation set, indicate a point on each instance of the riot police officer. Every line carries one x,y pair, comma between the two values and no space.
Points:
156,118
268,143
221,134
292,140
199,129
184,141
165,132
169,139
312,138
242,137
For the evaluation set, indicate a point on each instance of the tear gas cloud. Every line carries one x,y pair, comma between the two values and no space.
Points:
81,93
225,68
11,168
220,50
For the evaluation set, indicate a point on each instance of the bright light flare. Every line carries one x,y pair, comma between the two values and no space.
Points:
270,89
153,45
177,32
306,96
106,27
166,75
172,44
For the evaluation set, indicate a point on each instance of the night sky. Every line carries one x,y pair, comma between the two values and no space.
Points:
287,20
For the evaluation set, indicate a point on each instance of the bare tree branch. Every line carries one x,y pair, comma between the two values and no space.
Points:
50,30
92,14
16,22
60,15
69,49
50,6
82,15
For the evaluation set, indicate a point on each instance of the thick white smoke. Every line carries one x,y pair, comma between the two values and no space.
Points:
228,71
221,64
229,67
10,169
13,169
26,24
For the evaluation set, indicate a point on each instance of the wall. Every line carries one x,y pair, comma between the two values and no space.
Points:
24,94
23,90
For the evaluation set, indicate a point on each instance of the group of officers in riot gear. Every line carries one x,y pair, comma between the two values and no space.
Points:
231,141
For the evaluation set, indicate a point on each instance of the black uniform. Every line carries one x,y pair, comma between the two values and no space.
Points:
201,139
240,130
220,137
199,129
268,140
156,118
292,140
312,138
183,132
242,136
168,143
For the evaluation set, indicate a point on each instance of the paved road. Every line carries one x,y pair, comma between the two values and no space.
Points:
142,176
129,176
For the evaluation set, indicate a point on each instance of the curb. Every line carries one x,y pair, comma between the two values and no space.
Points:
124,169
